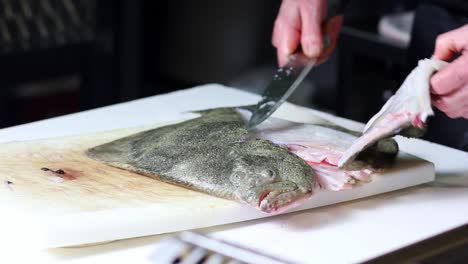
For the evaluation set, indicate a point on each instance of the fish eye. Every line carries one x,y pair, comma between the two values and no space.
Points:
268,173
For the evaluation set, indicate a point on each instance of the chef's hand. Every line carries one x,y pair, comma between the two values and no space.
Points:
300,21
450,85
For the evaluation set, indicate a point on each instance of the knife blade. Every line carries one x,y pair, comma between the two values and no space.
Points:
284,83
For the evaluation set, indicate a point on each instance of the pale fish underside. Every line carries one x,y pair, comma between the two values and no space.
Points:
405,113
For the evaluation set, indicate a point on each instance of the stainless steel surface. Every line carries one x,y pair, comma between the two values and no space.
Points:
191,248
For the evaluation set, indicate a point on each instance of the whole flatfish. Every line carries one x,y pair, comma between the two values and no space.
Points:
272,168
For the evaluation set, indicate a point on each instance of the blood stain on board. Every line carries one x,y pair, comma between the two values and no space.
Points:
8,184
65,173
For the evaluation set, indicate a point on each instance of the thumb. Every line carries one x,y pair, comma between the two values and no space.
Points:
450,43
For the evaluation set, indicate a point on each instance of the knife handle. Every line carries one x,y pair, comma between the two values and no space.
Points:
335,7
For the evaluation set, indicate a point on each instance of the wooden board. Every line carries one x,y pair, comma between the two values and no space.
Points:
91,202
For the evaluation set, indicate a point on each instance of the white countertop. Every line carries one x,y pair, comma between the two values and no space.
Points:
343,233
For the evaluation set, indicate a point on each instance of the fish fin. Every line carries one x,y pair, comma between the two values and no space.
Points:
113,153
413,96
118,151
250,108
410,107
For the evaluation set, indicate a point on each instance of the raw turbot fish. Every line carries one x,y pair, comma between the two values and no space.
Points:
404,113
272,168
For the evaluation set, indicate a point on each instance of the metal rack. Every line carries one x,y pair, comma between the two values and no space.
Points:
29,25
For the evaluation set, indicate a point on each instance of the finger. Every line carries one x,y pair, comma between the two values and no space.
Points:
332,29
438,102
312,15
287,43
451,77
455,114
462,111
450,43
286,31
286,38
445,48
281,57
449,111
442,103
453,104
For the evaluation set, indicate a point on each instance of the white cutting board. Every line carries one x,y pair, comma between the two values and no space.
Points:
97,203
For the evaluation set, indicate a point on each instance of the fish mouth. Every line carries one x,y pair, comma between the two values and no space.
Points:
278,200
263,196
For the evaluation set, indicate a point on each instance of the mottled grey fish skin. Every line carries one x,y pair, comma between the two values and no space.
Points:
214,154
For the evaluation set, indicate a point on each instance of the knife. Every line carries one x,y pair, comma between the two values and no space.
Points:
287,78
284,83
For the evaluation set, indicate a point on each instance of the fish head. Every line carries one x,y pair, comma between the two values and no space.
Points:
269,177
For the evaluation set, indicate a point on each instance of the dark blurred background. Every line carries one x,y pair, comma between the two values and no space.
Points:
63,56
